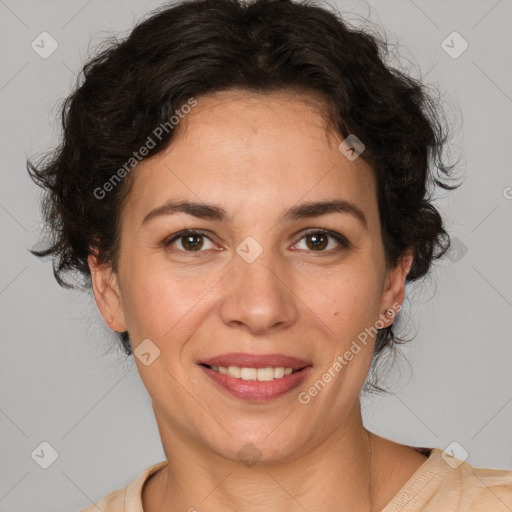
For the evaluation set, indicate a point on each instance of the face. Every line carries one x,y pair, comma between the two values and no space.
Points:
266,273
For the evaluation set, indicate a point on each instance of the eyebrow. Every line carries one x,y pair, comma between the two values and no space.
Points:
302,211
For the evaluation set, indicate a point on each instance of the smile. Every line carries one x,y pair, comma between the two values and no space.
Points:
255,384
260,374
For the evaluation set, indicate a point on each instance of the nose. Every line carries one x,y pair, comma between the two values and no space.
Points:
259,296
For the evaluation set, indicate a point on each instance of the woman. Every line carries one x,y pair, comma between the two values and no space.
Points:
245,187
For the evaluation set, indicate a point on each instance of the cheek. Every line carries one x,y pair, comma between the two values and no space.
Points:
166,310
347,301
156,303
349,306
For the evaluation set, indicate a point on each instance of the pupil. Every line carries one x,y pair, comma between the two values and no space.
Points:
190,244
319,241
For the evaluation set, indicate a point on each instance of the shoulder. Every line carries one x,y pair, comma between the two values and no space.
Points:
113,502
484,489
445,482
127,499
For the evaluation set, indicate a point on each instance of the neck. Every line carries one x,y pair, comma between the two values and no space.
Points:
334,475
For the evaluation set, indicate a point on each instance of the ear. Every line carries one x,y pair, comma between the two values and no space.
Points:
107,293
394,288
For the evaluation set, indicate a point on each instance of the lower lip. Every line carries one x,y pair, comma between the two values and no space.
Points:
256,391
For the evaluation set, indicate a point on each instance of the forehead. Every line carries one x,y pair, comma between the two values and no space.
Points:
240,148
246,116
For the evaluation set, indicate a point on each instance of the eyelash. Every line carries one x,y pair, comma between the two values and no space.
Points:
344,243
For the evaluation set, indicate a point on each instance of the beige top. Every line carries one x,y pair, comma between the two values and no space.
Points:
440,484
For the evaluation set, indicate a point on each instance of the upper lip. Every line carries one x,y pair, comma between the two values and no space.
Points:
255,361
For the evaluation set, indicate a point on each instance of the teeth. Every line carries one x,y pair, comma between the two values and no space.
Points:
234,371
280,372
265,374
248,373
259,374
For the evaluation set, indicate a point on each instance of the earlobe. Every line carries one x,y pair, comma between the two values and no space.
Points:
107,293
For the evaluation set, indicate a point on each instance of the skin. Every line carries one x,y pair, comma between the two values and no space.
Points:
257,156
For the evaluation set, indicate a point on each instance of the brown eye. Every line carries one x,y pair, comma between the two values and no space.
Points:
188,241
319,240
192,242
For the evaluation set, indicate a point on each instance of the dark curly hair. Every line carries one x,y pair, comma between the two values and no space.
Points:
199,47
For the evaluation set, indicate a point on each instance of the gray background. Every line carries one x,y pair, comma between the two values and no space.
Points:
62,378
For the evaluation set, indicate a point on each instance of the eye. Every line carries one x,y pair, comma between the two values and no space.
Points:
189,240
318,240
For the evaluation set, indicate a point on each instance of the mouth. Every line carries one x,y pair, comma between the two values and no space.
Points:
256,378
265,374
